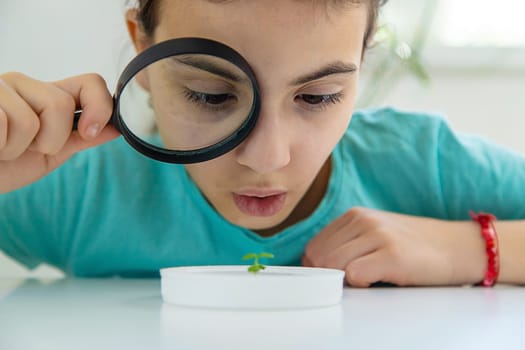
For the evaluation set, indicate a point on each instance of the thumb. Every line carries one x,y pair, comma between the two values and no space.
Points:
76,143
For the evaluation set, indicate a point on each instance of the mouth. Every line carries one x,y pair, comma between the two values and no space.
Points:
260,203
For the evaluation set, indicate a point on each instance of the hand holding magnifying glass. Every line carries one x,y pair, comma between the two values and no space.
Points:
204,96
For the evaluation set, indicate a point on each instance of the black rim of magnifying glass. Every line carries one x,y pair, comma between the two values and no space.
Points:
181,46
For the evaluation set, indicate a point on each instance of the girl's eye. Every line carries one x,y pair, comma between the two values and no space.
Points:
320,101
208,99
211,103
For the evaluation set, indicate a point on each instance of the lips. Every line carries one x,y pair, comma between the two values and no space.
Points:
259,203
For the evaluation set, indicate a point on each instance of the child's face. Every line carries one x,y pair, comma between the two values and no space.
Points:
278,174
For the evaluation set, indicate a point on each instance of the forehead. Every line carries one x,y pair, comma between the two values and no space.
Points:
286,35
253,9
272,16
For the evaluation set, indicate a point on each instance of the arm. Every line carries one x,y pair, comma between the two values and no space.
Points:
372,245
512,251
440,180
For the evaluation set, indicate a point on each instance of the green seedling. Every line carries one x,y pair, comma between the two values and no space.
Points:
256,266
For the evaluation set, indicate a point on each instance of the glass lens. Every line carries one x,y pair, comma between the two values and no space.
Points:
187,102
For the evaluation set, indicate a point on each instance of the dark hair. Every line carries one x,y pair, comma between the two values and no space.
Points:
147,14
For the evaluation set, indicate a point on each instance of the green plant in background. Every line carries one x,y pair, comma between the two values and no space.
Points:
256,266
394,58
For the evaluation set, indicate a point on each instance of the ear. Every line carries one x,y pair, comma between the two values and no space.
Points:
369,43
140,41
136,32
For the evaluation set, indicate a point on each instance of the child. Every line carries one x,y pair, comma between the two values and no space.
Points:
382,194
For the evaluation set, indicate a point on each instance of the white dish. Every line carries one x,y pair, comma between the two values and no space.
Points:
233,287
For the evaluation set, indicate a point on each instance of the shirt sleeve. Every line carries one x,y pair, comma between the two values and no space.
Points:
479,175
38,221
29,222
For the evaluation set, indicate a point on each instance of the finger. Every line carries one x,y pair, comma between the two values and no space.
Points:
76,143
52,106
306,262
372,268
55,120
91,94
3,128
341,256
21,123
345,228
327,236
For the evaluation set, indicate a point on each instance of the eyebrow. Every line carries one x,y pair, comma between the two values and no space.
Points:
338,67
210,67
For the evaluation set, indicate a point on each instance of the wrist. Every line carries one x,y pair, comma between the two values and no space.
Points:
467,253
511,239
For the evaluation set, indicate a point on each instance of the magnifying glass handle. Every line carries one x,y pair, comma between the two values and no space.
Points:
76,119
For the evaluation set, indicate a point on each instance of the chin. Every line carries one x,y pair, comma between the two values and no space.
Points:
257,223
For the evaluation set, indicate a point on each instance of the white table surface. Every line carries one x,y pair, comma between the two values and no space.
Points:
129,314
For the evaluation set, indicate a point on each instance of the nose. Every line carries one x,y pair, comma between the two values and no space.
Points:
267,148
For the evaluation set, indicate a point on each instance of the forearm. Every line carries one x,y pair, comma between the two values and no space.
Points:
511,237
373,245
466,258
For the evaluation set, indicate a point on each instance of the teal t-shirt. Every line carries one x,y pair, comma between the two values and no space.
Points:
111,211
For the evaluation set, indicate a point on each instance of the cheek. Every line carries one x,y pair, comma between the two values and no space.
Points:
322,134
212,175
314,145
324,129
202,174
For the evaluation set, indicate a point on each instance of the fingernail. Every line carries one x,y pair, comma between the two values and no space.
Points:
92,130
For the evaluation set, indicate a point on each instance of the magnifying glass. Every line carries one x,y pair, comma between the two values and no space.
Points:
203,94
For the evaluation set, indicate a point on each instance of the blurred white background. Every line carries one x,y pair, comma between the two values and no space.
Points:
474,54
